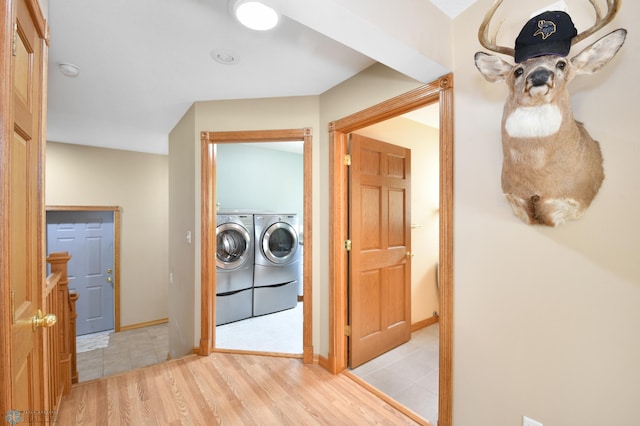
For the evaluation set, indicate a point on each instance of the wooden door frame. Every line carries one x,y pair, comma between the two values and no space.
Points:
117,211
208,229
439,91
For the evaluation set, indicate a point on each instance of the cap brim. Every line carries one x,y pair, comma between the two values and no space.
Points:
541,49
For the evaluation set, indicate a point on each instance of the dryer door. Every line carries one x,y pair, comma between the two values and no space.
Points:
280,243
232,246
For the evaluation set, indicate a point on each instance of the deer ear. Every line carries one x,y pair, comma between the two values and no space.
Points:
492,67
598,54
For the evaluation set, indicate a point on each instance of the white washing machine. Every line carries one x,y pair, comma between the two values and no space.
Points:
234,267
277,263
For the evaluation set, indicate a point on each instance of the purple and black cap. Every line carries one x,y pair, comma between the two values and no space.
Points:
549,33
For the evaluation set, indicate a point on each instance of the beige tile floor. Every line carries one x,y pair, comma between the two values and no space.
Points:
277,332
127,350
409,373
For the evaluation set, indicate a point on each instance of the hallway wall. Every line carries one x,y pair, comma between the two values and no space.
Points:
78,175
546,320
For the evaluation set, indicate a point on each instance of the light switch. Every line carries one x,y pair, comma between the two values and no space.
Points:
526,421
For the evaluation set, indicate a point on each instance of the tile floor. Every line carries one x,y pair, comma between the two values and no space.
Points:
409,373
278,332
127,350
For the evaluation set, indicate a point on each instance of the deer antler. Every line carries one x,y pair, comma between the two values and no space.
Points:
483,33
612,9
489,42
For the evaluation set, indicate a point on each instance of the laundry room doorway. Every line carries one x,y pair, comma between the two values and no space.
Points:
281,265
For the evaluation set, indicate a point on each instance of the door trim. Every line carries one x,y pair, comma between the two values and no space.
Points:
208,229
440,91
116,248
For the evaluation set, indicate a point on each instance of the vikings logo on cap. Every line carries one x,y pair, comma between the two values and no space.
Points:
545,29
549,33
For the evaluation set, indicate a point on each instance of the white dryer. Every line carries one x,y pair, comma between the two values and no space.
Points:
234,267
277,263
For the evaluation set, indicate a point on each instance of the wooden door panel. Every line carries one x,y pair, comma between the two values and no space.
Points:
370,218
22,215
380,279
397,216
370,292
396,166
396,295
23,64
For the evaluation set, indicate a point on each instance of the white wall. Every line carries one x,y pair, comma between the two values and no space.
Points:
249,176
546,321
79,175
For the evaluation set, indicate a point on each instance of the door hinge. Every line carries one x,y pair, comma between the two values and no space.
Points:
347,245
14,48
347,330
347,159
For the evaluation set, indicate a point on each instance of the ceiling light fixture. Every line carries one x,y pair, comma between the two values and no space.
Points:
70,70
255,15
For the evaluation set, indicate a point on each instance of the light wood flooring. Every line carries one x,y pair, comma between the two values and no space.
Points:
228,389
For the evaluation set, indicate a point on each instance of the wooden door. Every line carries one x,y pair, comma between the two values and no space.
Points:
22,214
379,260
88,236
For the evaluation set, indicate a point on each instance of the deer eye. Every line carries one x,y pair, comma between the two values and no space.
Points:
518,72
561,65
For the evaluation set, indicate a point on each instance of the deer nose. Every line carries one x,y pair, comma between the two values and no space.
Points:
539,77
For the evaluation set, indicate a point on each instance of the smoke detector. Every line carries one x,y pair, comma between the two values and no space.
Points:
69,70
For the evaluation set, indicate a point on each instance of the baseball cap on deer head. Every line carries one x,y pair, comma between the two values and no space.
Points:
548,33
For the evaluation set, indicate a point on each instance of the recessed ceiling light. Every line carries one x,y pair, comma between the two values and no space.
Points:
255,15
224,57
70,70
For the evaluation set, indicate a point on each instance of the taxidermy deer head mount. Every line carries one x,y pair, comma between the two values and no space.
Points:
552,168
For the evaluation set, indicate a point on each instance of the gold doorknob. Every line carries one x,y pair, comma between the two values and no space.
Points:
408,254
109,271
41,320
109,279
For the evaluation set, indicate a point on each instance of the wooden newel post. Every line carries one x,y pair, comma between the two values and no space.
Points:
65,310
73,298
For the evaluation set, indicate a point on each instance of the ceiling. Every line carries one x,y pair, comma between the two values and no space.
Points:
143,63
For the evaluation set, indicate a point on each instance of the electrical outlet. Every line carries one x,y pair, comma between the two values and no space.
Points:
526,421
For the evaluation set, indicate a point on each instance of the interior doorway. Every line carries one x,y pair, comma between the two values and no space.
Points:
259,246
409,372
209,142
91,234
440,92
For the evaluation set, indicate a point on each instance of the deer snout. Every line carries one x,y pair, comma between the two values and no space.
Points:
539,82
540,77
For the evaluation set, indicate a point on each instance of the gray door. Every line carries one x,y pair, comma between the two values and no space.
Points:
88,237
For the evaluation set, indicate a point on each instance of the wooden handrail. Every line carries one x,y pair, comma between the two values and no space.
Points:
60,339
